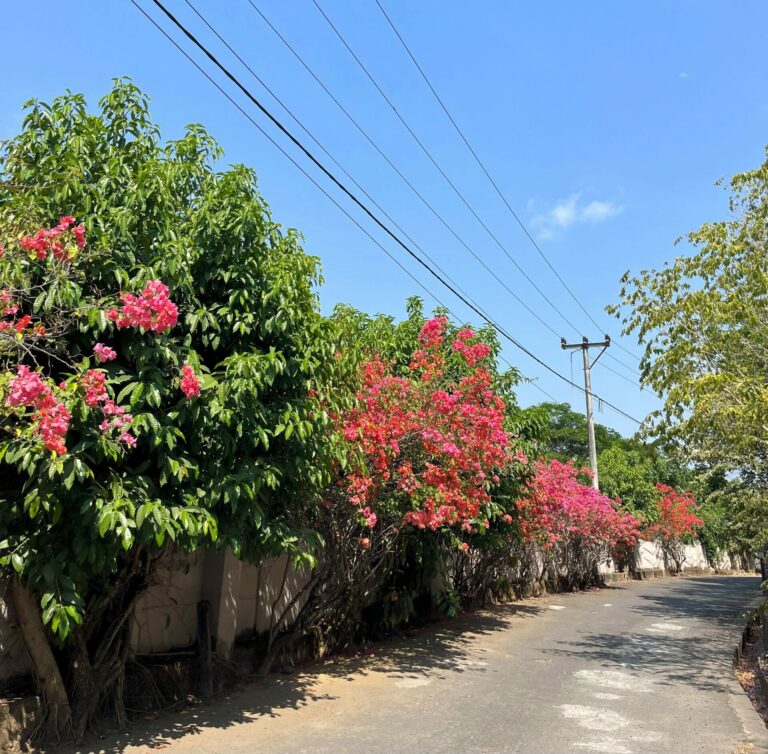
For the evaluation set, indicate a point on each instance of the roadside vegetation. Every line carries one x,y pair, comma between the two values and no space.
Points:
168,384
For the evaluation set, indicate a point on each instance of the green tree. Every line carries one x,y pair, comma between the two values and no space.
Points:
702,319
238,466
564,434
630,470
630,476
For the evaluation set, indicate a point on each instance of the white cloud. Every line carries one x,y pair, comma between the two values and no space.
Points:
683,75
597,211
572,211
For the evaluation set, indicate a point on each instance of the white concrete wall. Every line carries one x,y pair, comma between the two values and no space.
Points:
242,598
265,589
695,558
649,556
166,614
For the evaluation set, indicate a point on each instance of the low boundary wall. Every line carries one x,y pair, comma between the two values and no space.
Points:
244,597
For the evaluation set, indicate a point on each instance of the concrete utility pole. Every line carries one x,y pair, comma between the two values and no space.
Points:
585,345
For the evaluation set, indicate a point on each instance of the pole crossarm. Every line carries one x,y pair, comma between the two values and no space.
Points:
586,343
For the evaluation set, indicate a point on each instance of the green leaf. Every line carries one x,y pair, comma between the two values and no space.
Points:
17,562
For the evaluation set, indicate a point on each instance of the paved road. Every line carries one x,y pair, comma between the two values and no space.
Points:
642,667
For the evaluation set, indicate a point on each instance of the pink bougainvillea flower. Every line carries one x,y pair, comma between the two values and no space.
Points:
104,353
95,383
190,385
54,240
26,388
78,232
559,508
23,323
678,515
52,426
51,418
151,310
454,427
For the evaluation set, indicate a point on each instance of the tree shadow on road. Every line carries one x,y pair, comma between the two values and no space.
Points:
715,599
445,646
664,651
667,660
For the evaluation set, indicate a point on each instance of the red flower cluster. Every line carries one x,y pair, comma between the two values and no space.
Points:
51,417
678,515
472,353
94,381
21,325
54,240
26,388
189,385
559,508
440,444
369,518
151,310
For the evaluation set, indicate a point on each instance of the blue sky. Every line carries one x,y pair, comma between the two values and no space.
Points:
604,123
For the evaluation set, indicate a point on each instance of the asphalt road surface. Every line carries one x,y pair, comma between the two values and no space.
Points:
640,667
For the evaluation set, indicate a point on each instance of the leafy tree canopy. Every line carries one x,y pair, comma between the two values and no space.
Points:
227,396
564,434
703,321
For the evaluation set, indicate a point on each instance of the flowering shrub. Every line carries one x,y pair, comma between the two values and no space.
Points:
559,511
432,444
677,516
207,279
677,524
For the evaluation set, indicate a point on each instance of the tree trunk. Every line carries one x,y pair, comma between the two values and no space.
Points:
58,714
97,650
88,684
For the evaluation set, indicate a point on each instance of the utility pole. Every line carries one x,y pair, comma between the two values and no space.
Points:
585,345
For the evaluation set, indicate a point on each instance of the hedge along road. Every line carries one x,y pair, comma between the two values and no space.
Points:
640,667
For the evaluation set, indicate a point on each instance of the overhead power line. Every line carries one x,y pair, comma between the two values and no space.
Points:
461,196
400,174
490,178
319,144
421,145
299,123
440,170
416,192
339,185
